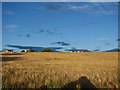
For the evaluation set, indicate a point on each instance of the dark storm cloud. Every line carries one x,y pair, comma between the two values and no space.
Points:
61,43
48,32
96,50
118,39
33,47
27,35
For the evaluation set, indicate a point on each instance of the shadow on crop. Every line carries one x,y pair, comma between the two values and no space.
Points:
83,83
5,59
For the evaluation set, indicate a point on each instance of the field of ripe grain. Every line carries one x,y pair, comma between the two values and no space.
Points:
60,70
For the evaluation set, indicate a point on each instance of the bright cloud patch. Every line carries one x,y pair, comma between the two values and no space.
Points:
12,26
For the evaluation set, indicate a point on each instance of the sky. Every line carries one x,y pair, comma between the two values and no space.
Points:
60,0
88,25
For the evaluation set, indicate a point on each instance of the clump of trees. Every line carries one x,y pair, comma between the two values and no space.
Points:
47,50
30,50
23,51
44,50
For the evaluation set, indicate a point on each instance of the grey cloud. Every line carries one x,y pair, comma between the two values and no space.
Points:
104,7
107,43
52,7
9,12
91,8
104,38
41,31
48,32
11,26
61,43
19,35
27,35
62,6
55,6
45,31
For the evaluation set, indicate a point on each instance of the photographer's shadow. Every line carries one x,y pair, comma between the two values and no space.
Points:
83,83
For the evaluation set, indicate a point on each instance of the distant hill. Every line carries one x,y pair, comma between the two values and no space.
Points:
113,50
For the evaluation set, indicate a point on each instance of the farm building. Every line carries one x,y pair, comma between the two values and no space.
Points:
8,50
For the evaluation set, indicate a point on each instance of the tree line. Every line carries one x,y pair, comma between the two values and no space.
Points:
44,50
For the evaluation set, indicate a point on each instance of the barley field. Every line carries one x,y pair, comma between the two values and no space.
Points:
60,70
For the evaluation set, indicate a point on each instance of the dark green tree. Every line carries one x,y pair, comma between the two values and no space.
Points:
23,51
30,50
47,50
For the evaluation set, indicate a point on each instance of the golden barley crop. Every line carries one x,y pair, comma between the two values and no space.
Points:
58,69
